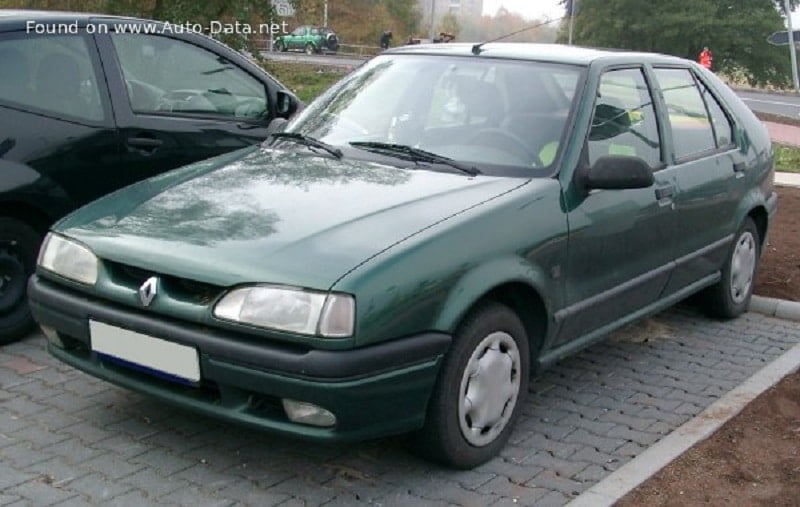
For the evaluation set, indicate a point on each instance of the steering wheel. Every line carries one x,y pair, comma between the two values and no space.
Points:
499,138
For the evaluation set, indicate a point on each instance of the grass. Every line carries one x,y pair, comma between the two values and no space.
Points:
787,158
306,81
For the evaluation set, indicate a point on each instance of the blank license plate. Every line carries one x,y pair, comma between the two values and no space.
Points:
140,351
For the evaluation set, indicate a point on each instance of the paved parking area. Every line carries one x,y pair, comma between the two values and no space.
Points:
68,438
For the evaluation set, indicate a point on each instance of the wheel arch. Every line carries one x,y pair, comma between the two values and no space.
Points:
28,214
760,217
512,282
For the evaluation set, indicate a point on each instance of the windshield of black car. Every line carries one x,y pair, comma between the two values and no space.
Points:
491,113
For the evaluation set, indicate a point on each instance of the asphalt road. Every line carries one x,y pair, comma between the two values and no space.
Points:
784,105
329,60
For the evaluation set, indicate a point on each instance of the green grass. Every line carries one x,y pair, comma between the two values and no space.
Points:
787,158
306,81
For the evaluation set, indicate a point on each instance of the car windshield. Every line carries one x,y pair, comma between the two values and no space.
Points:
501,116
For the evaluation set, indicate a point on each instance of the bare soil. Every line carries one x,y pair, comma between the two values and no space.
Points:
779,269
754,459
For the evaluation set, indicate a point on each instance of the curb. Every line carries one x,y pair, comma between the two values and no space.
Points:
780,308
635,472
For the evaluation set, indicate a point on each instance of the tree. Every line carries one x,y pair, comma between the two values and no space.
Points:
735,30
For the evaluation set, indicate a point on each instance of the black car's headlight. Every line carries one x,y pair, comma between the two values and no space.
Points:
290,309
68,258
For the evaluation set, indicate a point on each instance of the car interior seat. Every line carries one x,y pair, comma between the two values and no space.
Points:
58,85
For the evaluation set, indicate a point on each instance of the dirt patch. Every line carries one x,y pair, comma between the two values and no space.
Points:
754,459
779,270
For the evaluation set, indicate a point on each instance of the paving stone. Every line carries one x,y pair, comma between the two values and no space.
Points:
40,492
97,487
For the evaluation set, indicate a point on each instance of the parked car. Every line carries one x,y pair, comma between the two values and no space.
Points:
82,115
419,241
310,39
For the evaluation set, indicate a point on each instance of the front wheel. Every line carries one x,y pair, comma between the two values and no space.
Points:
310,49
730,297
476,399
19,245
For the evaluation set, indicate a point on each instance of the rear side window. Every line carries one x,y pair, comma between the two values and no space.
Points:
692,133
624,121
167,76
723,130
52,74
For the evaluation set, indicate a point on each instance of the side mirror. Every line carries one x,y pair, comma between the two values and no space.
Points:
286,104
616,172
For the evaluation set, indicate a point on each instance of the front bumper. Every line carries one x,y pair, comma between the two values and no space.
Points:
373,391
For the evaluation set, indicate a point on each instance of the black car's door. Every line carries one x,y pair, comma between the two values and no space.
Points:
58,146
182,98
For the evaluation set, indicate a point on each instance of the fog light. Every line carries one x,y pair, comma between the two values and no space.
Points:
52,336
308,413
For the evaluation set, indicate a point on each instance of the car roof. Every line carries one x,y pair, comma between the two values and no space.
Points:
555,53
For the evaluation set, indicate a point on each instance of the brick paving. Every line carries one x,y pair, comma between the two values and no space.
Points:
67,438
784,134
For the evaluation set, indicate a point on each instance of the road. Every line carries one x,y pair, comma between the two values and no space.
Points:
329,60
762,102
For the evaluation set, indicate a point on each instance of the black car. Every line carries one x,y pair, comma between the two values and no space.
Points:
90,103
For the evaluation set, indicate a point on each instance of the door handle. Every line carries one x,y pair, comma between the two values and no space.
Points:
665,192
145,144
739,167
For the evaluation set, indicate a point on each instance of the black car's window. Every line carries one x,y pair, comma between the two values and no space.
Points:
692,133
723,130
624,121
52,74
169,76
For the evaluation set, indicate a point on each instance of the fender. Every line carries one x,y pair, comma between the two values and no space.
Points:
22,185
480,280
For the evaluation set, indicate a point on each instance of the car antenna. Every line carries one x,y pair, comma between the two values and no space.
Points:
477,48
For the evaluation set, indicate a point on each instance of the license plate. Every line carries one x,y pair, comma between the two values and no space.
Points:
147,353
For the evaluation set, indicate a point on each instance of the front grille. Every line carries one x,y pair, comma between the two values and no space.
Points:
182,289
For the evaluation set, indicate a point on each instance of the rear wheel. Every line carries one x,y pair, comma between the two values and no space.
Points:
730,297
476,399
19,245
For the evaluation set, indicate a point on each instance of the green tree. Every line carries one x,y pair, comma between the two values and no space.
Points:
735,30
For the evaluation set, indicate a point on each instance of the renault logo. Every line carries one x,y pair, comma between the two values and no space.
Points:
148,291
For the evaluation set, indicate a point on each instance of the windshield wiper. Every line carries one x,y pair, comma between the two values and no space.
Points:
308,141
414,154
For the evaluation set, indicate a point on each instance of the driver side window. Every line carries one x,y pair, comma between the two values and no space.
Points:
169,76
624,122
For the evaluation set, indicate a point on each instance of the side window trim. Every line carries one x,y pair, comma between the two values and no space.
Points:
100,81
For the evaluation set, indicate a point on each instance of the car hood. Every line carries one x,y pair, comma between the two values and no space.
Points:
262,215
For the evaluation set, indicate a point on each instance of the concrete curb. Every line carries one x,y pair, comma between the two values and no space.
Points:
780,308
635,472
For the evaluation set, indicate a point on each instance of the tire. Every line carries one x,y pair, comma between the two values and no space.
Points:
19,246
283,47
730,297
310,49
492,339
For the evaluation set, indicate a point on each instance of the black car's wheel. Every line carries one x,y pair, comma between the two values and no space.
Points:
283,47
730,297
476,399
19,245
310,49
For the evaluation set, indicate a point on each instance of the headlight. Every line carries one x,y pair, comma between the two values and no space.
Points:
69,259
288,309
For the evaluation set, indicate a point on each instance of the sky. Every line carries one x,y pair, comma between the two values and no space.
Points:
528,8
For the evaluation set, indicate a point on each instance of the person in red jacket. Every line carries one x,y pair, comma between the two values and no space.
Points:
706,58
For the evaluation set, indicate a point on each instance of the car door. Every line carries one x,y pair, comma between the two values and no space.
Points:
619,256
58,145
709,173
297,39
182,99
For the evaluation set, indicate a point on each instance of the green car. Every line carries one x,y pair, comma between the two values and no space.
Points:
309,39
437,227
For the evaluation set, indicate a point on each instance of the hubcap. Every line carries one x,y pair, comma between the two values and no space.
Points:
12,278
489,389
743,267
